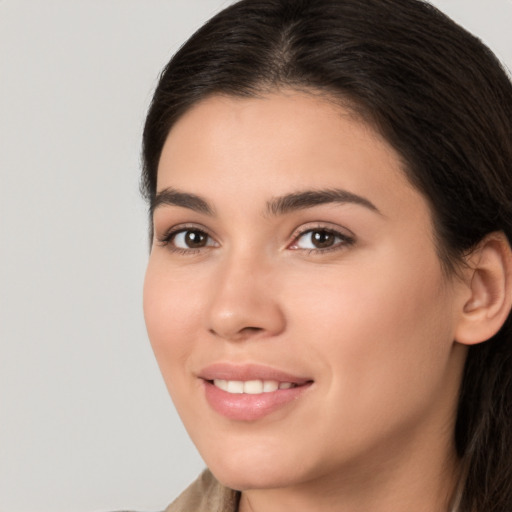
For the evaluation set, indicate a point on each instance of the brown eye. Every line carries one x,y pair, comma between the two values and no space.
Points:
191,239
321,239
195,239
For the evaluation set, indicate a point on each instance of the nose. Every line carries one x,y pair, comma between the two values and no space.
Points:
244,301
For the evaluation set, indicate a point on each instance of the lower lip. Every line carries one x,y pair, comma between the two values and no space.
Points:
246,407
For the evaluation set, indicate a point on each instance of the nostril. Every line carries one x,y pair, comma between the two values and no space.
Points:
241,334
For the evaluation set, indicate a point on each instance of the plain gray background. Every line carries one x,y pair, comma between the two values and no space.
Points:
85,420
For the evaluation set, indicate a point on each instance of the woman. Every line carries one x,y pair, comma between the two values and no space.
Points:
329,288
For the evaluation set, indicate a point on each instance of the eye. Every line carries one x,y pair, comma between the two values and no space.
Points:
186,240
320,239
190,239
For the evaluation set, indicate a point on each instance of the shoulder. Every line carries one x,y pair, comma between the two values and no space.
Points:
206,494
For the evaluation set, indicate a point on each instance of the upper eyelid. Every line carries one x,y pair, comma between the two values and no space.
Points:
167,239
319,226
295,234
187,226
346,236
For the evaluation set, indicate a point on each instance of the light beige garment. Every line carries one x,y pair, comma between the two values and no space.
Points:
206,494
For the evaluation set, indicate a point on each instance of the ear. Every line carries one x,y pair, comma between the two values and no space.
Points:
488,298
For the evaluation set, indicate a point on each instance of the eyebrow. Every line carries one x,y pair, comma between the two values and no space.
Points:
172,197
310,198
277,206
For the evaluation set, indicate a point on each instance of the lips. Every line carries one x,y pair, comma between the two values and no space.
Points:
250,392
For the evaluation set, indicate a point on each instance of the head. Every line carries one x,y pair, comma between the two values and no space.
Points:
438,104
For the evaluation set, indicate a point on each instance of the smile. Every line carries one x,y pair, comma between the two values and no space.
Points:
251,392
251,387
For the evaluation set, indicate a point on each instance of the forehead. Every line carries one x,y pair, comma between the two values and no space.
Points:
275,144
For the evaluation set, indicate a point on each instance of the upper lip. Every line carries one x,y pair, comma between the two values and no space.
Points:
245,372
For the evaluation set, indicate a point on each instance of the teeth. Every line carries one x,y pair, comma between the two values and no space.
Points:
221,384
235,386
251,387
270,385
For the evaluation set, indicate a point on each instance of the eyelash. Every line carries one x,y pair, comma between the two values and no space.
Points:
344,240
169,236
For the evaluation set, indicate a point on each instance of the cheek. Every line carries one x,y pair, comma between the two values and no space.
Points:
383,330
170,311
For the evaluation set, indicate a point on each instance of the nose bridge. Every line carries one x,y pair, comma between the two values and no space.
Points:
242,302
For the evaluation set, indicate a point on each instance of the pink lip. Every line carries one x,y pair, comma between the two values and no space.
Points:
246,407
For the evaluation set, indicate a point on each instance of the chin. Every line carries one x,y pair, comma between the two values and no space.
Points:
243,479
255,469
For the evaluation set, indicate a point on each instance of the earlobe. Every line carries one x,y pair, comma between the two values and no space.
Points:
489,279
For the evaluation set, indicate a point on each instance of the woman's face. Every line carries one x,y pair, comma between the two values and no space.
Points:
294,298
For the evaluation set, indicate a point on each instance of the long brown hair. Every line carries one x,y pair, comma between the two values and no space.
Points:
438,96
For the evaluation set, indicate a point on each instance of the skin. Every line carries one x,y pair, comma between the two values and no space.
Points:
371,321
